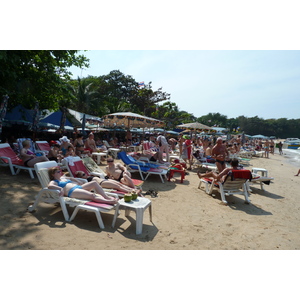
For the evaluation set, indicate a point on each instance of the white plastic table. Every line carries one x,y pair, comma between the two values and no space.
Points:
139,205
113,152
99,155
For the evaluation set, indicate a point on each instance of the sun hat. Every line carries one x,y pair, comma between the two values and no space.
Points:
64,139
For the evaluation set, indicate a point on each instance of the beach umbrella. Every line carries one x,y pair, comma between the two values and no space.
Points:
194,126
3,111
129,120
259,136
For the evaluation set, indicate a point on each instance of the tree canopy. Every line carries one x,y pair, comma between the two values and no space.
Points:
37,75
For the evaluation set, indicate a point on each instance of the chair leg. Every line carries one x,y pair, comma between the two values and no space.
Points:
116,215
222,194
246,193
31,174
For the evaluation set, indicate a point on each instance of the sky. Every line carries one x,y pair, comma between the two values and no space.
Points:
263,83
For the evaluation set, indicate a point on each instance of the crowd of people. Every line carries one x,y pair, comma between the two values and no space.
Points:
161,147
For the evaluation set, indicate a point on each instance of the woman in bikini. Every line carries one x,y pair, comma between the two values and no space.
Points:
106,183
28,157
118,172
79,146
72,187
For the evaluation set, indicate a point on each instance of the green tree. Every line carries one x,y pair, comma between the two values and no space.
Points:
28,76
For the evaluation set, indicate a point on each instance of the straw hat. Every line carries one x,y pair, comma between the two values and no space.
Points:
64,139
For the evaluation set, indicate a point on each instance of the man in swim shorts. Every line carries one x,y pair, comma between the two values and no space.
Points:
219,153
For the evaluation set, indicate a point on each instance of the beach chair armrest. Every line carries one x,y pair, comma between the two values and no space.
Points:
7,158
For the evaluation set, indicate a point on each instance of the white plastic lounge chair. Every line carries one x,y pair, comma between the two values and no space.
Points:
94,169
75,163
52,196
42,146
258,179
235,183
141,167
9,158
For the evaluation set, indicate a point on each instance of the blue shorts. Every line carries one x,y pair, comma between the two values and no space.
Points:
74,188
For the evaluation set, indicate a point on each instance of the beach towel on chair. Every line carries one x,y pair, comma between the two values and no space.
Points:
242,174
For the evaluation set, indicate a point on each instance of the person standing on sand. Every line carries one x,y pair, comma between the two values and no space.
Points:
163,147
298,173
267,148
180,143
219,153
280,148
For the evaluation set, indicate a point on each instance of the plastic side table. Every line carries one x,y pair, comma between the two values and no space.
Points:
139,205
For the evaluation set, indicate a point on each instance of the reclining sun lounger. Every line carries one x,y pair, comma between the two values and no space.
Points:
52,196
9,158
235,183
258,179
43,146
93,168
142,167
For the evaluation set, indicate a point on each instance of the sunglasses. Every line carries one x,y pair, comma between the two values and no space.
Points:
110,161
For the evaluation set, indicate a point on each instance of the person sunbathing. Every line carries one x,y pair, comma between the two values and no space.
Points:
106,183
72,187
28,157
222,175
118,172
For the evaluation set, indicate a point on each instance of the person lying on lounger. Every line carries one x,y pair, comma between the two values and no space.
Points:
106,183
118,172
72,187
222,175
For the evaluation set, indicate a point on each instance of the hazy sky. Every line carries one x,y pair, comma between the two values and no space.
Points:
252,83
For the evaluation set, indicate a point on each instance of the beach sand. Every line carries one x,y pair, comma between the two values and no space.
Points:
184,217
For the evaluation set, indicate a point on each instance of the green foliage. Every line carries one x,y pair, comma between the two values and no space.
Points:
37,75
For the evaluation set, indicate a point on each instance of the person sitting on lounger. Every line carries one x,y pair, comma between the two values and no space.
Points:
222,175
28,157
118,172
106,183
72,187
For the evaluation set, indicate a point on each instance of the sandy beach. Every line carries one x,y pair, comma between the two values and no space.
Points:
184,217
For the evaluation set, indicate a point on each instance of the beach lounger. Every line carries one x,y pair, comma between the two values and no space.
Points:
93,168
258,179
148,169
9,158
234,184
32,147
42,146
52,196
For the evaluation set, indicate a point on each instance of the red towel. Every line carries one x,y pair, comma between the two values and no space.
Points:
244,174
